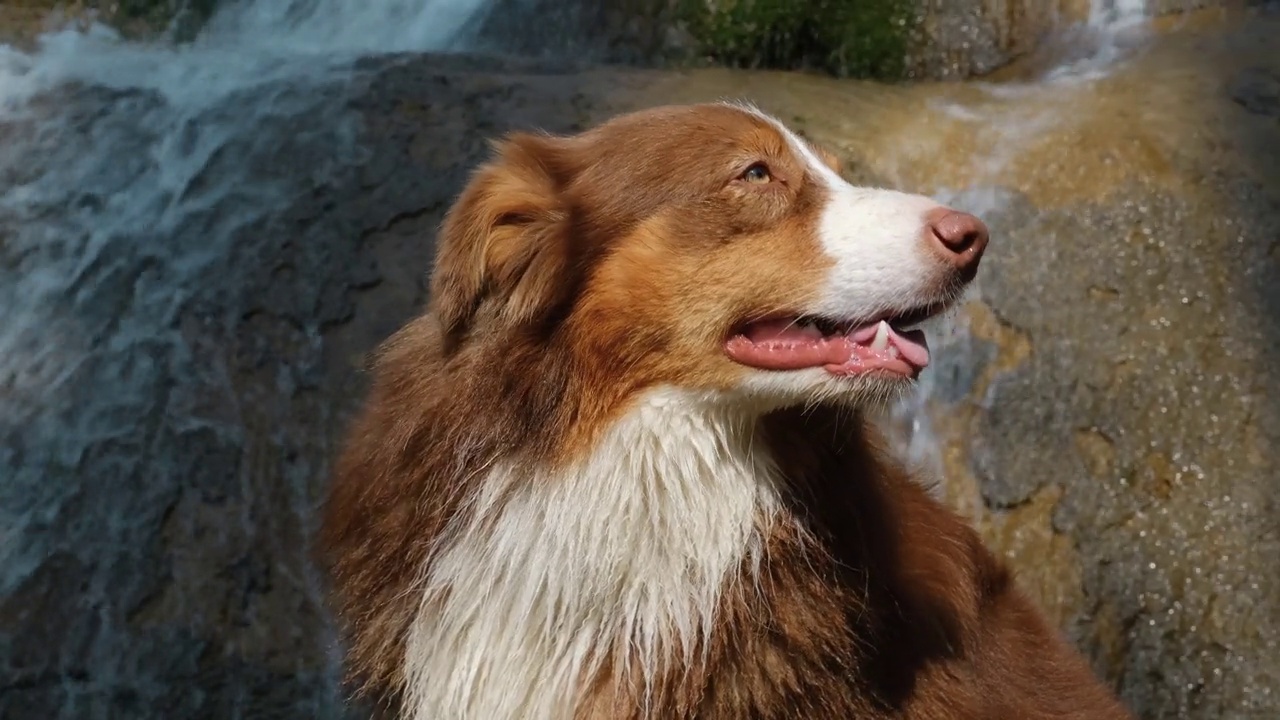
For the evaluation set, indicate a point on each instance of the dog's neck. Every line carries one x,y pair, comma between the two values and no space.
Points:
618,561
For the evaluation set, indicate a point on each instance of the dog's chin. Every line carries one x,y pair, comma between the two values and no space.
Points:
765,391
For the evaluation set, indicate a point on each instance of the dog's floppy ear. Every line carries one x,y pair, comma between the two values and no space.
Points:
503,247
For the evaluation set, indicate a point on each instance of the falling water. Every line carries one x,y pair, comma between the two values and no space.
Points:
67,201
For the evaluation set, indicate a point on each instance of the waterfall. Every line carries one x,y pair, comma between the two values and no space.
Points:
69,199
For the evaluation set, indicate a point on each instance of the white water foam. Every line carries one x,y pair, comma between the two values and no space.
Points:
346,27
1113,30
243,45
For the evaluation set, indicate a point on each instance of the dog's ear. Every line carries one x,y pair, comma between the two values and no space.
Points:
504,245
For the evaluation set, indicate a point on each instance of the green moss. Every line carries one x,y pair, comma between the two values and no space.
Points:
860,38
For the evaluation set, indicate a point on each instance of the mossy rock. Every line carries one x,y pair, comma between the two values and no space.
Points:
858,38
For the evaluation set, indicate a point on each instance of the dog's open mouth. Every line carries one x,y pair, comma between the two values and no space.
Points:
887,345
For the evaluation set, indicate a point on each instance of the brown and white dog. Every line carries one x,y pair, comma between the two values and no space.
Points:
618,469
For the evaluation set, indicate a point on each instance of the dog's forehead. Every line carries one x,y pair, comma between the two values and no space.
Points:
633,165
686,133
721,119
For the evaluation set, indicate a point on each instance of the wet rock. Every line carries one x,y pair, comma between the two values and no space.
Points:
1258,91
958,40
634,32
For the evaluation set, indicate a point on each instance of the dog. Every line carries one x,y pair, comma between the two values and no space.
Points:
619,468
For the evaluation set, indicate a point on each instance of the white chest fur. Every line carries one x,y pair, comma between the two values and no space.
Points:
549,575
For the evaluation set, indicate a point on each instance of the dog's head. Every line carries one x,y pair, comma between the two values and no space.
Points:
704,247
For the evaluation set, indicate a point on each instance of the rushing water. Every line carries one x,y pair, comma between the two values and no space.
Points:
69,197
129,173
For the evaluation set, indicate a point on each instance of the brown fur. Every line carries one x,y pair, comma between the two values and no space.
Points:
562,290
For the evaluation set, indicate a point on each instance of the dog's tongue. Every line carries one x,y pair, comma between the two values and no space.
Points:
911,344
784,345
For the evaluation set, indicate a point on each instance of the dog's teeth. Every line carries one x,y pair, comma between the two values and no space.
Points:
893,351
881,340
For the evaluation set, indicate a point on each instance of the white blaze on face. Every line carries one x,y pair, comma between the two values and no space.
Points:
877,240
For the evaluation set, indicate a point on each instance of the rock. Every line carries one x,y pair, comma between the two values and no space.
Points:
1102,409
1257,89
958,40
633,32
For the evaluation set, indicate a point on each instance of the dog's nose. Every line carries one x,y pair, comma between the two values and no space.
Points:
958,237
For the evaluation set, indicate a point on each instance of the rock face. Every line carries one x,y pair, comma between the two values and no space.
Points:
633,32
958,40
177,374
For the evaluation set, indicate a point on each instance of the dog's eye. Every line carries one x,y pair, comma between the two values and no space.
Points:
757,174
